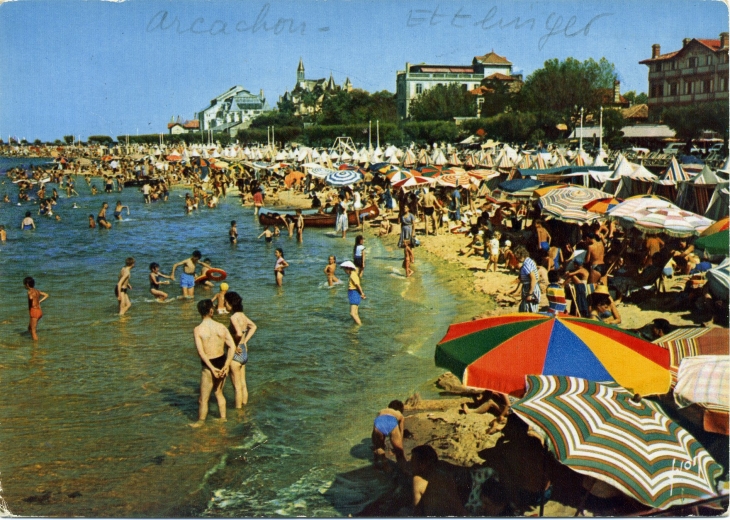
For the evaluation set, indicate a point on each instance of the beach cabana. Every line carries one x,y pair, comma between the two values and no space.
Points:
718,207
604,432
694,194
666,185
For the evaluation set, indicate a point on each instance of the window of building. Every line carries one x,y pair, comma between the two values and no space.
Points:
658,67
656,90
674,65
419,88
694,61
673,89
464,87
709,60
707,86
723,84
688,87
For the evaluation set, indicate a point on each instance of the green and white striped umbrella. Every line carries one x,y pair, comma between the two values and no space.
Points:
598,430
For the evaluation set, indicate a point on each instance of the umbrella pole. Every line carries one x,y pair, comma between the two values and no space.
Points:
542,480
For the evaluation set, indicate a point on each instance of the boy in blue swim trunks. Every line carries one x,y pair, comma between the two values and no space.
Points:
187,278
389,423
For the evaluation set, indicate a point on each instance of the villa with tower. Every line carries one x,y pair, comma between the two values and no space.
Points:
308,94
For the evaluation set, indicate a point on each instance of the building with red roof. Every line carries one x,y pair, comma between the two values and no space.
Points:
474,78
696,73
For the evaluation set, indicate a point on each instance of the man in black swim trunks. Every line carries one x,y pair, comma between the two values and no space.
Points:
210,339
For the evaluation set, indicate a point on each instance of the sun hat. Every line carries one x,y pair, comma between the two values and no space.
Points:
508,243
600,289
224,286
348,265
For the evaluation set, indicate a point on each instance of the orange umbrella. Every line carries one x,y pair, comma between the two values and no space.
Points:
720,225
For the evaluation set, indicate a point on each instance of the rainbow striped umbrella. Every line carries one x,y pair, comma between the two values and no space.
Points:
497,353
598,430
453,180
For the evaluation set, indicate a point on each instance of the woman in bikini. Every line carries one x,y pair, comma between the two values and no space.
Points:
280,265
241,328
35,297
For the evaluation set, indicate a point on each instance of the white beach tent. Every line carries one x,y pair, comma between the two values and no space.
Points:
718,207
695,194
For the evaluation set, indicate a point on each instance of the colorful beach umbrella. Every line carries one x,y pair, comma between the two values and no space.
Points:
600,431
694,341
673,221
452,180
705,381
567,203
721,225
343,177
602,205
497,353
715,244
631,205
412,183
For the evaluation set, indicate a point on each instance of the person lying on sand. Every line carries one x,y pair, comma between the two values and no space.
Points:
497,404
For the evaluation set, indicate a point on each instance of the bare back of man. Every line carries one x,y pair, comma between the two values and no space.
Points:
211,339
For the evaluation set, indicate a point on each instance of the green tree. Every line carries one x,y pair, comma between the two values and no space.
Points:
562,88
68,139
613,122
636,99
101,139
498,101
442,103
689,122
276,118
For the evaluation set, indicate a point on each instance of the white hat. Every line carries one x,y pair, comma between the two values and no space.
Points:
348,265
507,243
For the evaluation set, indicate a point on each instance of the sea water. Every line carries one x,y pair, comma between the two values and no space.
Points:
94,416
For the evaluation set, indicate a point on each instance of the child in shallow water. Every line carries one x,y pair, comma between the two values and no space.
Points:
329,270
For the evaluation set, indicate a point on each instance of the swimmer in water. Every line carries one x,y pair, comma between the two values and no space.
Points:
3,234
267,234
187,279
219,299
123,285
35,297
101,217
241,328
27,222
118,210
279,267
233,232
92,222
329,270
211,340
155,282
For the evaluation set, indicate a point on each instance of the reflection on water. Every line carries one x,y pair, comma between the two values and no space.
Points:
95,415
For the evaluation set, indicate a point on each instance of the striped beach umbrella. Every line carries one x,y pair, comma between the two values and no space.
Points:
567,203
453,179
631,205
343,177
675,222
411,183
497,353
600,431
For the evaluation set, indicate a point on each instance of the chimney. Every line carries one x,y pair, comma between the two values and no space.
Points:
616,91
261,94
655,50
724,40
685,41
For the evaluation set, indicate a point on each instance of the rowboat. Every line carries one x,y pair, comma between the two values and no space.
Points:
320,219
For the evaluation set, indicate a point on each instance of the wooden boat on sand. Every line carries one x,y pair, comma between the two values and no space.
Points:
320,219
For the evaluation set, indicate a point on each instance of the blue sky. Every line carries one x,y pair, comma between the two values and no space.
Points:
117,67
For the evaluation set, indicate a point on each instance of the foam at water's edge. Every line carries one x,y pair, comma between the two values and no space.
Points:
4,511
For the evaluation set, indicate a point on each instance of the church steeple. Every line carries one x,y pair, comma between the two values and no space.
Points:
300,71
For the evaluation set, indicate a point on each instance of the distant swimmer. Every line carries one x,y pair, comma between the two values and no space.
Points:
187,278
242,329
155,282
3,234
279,267
35,298
118,210
101,217
330,269
211,340
233,232
300,226
123,285
28,222
92,222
